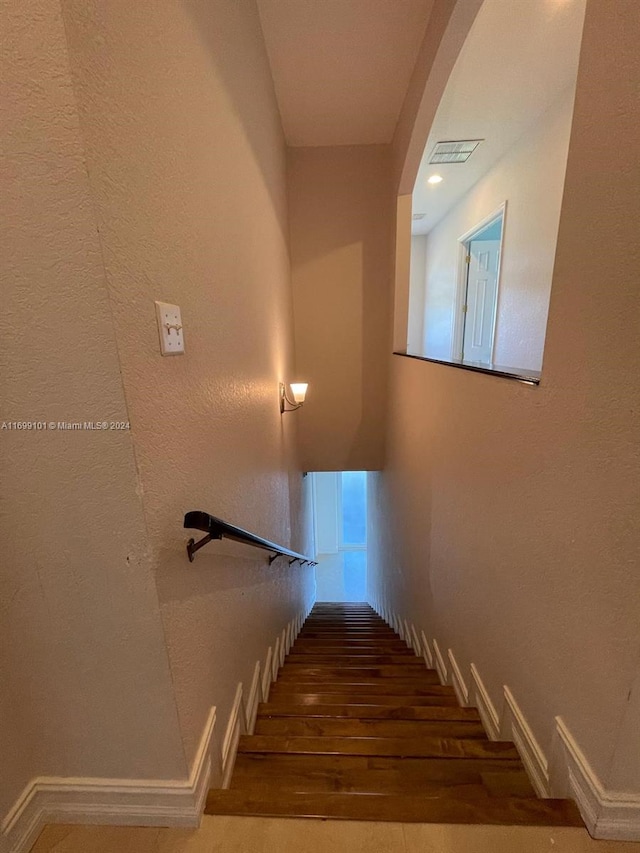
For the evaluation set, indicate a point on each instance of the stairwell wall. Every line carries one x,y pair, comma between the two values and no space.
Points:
506,518
186,159
83,665
147,162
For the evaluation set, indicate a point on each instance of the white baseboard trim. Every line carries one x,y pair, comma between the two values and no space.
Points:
458,682
126,802
516,728
481,699
415,642
275,659
441,667
253,700
283,646
235,727
267,675
427,654
613,815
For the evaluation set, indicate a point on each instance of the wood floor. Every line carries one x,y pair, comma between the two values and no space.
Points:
356,727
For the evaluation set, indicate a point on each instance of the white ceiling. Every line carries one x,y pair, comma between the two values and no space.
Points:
519,57
341,67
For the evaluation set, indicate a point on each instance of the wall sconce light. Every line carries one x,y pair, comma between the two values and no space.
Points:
299,391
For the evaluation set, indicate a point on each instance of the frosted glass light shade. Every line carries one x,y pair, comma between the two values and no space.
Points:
299,391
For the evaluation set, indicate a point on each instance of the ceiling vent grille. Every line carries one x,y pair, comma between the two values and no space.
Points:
457,151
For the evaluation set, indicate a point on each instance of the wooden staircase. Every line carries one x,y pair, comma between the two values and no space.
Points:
356,727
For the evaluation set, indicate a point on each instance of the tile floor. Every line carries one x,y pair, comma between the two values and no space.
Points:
266,835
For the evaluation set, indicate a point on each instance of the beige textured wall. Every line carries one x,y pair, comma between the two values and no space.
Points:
515,534
341,231
186,160
83,666
145,161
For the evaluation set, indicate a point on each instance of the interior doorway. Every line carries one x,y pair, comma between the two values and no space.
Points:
478,283
340,529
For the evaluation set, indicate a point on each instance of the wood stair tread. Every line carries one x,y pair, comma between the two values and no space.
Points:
337,621
346,629
345,727
354,660
355,698
363,633
301,671
439,809
395,687
400,684
420,747
352,650
353,643
367,710
370,773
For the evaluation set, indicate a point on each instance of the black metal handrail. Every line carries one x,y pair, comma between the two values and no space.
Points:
216,528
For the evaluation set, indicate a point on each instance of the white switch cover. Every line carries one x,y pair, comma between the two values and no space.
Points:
170,329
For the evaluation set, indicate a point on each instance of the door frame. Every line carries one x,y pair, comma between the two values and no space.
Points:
462,269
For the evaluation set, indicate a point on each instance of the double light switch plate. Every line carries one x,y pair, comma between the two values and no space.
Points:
170,329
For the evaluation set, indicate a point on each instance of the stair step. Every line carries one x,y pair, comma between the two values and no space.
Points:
302,672
443,809
349,627
420,747
354,651
393,687
366,774
341,617
353,643
357,727
356,698
366,710
386,634
347,630
343,614
346,624
359,660
341,727
400,683
345,617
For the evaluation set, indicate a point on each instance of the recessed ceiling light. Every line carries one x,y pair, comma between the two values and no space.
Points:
434,179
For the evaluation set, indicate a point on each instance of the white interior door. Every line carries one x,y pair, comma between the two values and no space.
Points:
480,308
